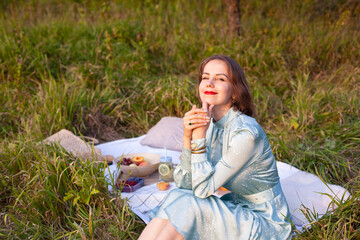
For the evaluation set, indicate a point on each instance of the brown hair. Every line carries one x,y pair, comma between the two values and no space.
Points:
242,100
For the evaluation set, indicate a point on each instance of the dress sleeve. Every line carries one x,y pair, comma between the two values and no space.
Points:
206,178
182,173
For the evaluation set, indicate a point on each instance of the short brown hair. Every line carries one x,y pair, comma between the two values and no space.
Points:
243,101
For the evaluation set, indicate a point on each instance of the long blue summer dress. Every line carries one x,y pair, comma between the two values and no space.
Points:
238,156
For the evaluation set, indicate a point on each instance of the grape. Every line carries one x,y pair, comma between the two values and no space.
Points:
129,182
126,161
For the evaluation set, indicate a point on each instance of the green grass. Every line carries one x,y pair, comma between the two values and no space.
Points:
114,69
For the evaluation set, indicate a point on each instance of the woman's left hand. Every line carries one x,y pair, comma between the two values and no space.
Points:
200,132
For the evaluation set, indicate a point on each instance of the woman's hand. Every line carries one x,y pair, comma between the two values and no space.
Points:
200,132
195,118
196,122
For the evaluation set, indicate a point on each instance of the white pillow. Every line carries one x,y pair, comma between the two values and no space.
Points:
168,132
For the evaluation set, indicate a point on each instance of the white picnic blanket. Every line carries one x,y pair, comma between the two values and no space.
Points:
301,189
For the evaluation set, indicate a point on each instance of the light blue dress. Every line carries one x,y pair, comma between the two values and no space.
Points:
239,157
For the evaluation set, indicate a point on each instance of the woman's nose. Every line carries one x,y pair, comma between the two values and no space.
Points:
210,83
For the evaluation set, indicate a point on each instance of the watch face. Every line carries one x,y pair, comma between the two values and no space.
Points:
193,145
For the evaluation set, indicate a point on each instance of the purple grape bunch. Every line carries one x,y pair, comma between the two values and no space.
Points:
126,161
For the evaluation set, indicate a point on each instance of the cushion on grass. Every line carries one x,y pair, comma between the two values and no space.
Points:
168,132
74,145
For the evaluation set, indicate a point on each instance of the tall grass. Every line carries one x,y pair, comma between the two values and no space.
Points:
112,69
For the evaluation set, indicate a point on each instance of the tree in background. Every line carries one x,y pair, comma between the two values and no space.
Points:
234,16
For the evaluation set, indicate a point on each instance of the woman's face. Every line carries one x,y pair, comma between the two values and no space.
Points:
215,87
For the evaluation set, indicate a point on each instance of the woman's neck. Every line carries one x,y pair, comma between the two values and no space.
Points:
219,112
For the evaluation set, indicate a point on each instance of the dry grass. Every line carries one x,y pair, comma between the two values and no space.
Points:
113,69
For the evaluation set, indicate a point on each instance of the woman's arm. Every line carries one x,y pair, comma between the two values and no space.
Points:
206,178
194,119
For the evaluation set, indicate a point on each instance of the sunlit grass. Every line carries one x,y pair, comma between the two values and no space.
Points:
114,69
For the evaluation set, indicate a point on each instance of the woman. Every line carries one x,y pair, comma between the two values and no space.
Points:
230,150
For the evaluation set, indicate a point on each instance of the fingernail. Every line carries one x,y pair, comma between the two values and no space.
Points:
207,117
205,123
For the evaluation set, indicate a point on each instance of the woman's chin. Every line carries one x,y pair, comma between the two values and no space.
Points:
208,100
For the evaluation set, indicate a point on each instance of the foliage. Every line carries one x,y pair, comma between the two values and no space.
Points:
114,68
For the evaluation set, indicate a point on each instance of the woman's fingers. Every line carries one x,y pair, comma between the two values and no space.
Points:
190,121
194,126
205,106
210,110
195,110
197,117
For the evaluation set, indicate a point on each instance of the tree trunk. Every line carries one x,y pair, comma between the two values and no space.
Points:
234,16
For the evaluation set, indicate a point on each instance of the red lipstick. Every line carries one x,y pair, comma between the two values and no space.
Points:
210,93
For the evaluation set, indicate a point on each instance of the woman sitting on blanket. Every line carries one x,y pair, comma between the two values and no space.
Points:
223,146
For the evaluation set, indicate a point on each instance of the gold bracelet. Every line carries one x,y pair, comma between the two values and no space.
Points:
199,152
197,149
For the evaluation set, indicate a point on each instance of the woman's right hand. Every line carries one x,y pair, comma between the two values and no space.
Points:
195,118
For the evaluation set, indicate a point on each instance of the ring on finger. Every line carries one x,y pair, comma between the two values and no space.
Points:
190,123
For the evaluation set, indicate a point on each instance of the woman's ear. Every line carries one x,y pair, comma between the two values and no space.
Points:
233,98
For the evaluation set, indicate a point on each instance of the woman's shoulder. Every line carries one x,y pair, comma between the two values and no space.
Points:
242,122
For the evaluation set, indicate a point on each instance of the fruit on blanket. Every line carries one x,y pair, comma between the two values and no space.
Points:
128,183
126,161
162,186
144,163
137,159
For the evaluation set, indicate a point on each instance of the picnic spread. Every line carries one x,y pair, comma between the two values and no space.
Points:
302,190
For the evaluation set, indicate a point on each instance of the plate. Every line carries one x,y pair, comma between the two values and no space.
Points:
140,171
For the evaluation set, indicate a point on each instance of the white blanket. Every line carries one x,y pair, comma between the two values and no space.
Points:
301,189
